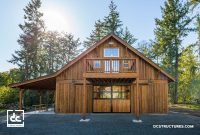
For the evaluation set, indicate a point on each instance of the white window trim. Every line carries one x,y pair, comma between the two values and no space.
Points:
111,48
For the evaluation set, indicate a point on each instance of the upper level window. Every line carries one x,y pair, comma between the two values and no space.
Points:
111,52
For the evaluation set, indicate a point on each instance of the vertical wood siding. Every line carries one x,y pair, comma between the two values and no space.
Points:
153,97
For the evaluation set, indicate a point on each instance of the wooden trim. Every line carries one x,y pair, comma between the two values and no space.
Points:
110,75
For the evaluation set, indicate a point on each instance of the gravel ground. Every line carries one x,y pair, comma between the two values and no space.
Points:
103,124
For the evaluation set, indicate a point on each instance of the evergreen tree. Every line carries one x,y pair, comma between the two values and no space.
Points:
170,29
128,37
69,48
110,24
96,34
51,51
112,21
27,58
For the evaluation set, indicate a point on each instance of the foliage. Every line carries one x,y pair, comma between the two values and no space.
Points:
28,57
8,95
188,71
109,24
170,31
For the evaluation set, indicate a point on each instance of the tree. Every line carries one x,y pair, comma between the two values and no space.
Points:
96,34
128,37
112,21
170,29
51,49
109,24
188,73
69,48
146,48
28,57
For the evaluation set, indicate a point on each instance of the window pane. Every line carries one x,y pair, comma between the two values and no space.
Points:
111,52
97,64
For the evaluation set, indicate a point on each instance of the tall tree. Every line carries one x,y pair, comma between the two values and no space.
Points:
170,29
69,49
109,24
27,58
97,34
188,73
112,21
51,49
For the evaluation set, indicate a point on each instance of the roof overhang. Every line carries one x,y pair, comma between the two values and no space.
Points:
42,83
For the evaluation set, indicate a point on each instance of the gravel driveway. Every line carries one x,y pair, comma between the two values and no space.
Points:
103,124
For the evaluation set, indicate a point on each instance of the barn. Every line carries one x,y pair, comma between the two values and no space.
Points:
109,77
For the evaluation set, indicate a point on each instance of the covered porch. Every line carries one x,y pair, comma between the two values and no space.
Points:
41,85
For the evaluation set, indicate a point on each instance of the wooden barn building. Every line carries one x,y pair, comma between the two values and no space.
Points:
110,76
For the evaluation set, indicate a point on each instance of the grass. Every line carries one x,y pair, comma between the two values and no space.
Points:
188,106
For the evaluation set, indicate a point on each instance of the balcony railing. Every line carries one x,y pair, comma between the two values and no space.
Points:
110,65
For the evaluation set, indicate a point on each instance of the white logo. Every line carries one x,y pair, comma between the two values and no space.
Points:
15,118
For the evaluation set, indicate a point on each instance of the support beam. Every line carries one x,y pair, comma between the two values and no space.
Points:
137,103
84,102
21,94
40,99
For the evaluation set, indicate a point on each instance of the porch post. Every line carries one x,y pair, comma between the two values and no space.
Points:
137,111
40,92
21,94
84,102
137,103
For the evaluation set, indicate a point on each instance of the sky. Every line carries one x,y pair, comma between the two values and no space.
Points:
77,17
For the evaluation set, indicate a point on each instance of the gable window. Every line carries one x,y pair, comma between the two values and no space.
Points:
111,52
97,64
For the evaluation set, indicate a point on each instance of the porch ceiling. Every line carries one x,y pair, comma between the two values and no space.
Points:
108,81
42,83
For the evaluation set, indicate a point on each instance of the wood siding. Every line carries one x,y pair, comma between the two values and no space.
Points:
152,96
69,98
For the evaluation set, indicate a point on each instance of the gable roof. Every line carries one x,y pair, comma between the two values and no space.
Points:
123,43
47,77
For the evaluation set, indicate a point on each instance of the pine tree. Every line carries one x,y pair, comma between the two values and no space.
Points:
51,51
128,37
170,29
109,24
69,48
112,21
96,34
27,58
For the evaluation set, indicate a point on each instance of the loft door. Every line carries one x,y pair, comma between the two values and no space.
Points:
114,68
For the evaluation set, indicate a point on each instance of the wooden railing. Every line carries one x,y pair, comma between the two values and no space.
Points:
110,65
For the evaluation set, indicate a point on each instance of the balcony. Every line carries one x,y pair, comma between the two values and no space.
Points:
110,68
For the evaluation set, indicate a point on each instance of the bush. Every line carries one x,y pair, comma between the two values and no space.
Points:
8,96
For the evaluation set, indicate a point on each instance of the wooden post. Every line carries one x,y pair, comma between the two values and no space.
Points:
84,99
137,107
40,99
21,94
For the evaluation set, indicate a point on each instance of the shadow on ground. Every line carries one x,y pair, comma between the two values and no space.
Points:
100,124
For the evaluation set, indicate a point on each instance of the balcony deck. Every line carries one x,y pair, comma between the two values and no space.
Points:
110,68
